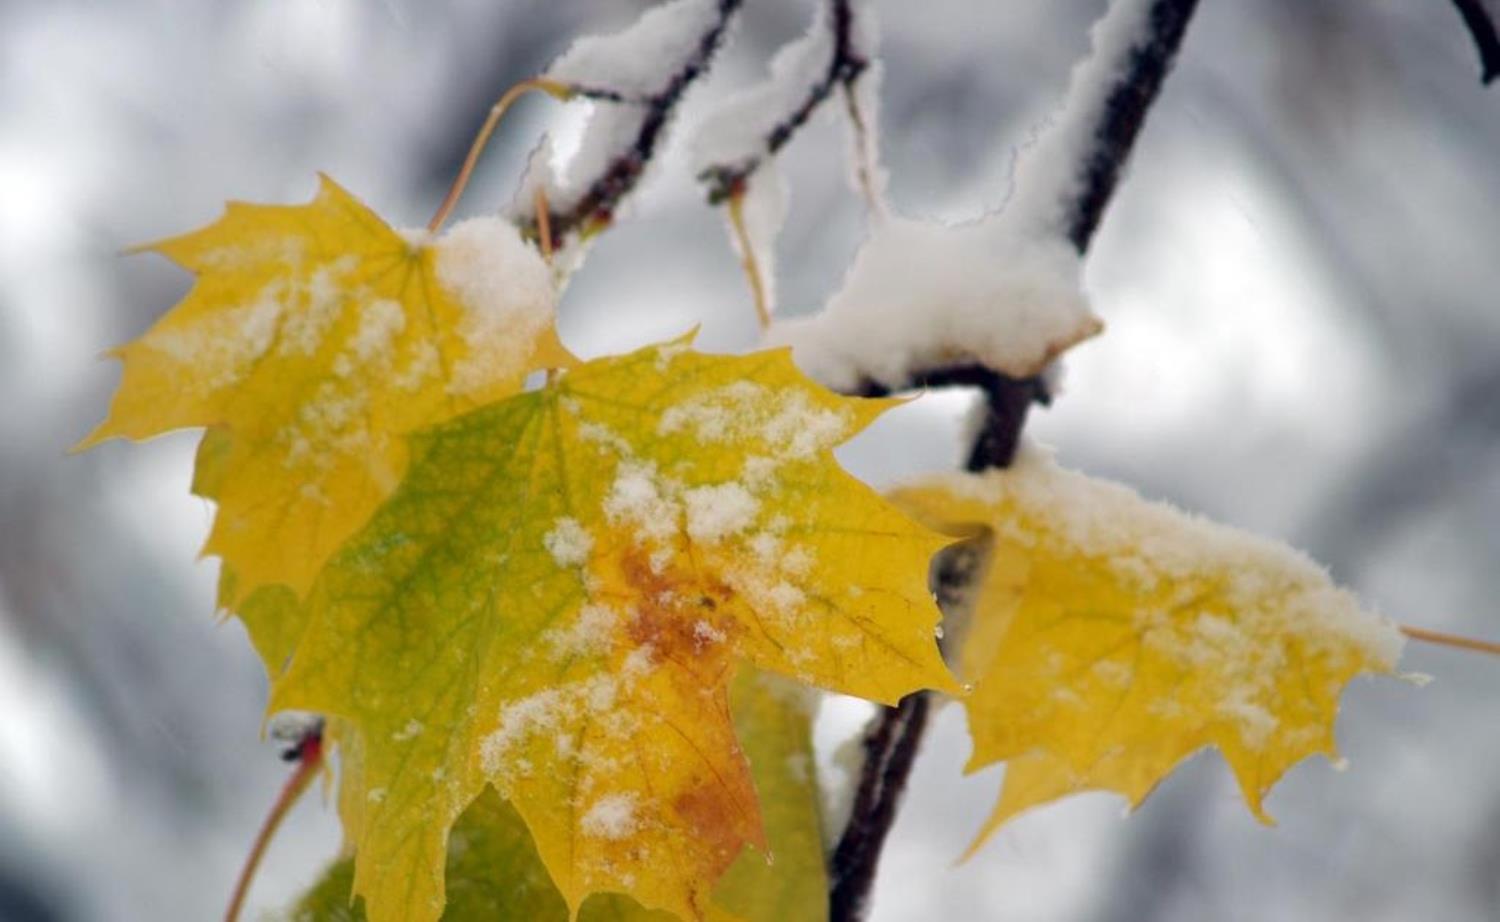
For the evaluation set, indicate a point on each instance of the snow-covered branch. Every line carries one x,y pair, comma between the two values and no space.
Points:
1065,180
994,302
753,126
1063,187
736,146
636,78
1481,26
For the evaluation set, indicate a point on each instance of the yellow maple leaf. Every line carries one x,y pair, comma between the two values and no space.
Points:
493,871
554,600
314,337
1111,637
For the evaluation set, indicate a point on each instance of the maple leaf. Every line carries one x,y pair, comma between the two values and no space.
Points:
556,596
1111,637
314,337
493,871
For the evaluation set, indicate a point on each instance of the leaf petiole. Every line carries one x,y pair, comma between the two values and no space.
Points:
748,261
309,756
1451,640
551,87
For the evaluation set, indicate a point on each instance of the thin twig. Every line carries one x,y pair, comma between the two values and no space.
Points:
864,160
308,753
1481,26
891,743
595,210
845,65
541,84
543,224
748,261
1451,640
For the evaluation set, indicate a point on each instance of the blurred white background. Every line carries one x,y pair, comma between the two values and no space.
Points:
1301,277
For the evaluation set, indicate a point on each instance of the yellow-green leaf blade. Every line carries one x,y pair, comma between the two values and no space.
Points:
314,337
555,599
493,870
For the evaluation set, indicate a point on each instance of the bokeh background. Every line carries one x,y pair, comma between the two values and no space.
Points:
1301,277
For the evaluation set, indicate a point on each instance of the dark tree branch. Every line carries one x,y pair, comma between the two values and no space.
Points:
596,208
890,750
891,743
1130,97
845,64
1007,401
1481,26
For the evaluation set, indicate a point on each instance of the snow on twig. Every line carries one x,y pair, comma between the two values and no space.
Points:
1065,180
735,147
636,79
1001,294
922,296
748,130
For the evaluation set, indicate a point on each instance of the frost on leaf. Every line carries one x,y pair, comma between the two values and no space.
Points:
559,593
314,337
1112,637
493,871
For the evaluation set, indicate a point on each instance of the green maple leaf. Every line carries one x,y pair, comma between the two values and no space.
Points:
554,600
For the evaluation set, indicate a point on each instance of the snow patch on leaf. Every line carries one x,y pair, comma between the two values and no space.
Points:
568,542
506,290
612,816
716,512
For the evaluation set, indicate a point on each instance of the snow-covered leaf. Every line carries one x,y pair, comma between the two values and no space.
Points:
555,599
1111,637
314,337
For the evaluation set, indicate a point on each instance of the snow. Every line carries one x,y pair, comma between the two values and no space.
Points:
739,129
612,816
320,297
506,292
554,719
921,295
293,726
786,420
224,345
424,364
638,60
716,512
1266,589
705,633
638,498
372,347
1003,291
591,633
737,135
541,712
1048,172
639,63
379,323
568,542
